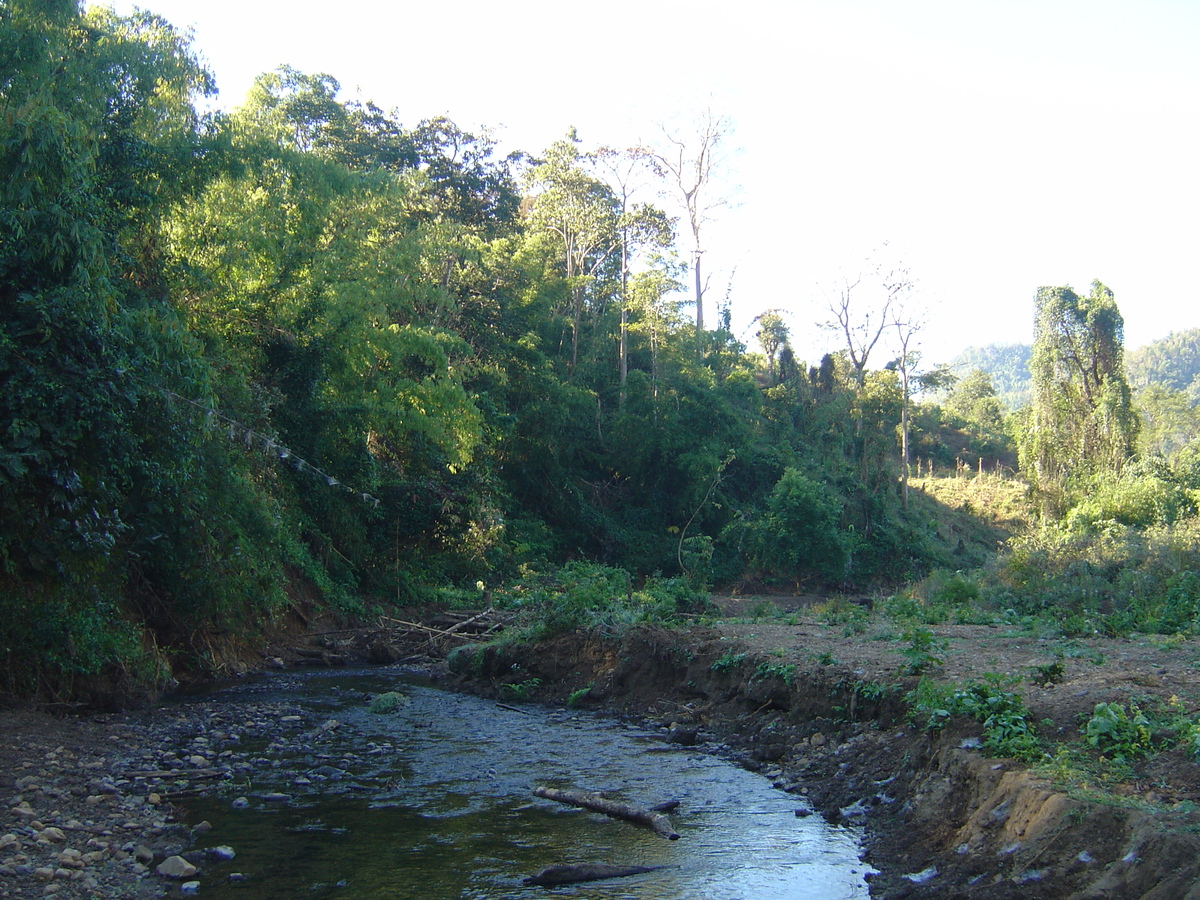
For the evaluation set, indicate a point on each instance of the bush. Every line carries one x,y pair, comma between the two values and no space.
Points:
1117,733
1113,579
1007,730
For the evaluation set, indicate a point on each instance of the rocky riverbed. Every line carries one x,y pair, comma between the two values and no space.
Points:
89,803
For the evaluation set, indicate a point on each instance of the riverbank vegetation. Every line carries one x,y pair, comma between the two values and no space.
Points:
304,357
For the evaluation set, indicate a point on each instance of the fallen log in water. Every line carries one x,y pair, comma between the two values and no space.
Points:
554,875
657,822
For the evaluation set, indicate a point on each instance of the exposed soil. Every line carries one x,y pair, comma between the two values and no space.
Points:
940,818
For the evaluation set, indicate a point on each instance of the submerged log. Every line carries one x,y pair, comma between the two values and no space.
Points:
656,822
554,875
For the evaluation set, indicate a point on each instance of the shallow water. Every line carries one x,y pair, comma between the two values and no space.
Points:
434,801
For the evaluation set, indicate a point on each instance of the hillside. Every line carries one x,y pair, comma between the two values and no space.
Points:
1008,366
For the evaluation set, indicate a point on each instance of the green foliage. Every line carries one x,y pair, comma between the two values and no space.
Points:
785,672
921,652
728,660
1172,362
1082,419
1007,368
853,617
1007,730
521,691
1113,579
588,596
387,703
1049,673
576,697
799,531
1140,496
300,350
1119,733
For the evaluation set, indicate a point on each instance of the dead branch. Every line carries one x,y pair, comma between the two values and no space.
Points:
656,822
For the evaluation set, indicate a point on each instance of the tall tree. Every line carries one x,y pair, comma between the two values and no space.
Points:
639,227
908,325
691,162
580,212
1082,419
772,337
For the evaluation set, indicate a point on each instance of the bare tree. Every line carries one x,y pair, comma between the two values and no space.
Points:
908,322
689,162
863,309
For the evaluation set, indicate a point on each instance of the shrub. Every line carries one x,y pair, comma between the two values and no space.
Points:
388,702
1119,733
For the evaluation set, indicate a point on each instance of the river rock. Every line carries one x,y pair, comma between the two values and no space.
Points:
686,735
189,887
223,853
176,867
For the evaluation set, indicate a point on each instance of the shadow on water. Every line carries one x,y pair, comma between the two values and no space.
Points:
434,801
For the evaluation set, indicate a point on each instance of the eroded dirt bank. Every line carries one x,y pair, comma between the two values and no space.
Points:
942,819
819,712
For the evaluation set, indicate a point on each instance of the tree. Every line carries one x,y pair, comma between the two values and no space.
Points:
907,326
864,308
800,532
773,337
973,399
1082,420
690,163
583,216
640,227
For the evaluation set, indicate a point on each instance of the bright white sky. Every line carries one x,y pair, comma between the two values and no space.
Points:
993,145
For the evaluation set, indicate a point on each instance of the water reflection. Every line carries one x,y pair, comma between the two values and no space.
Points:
434,801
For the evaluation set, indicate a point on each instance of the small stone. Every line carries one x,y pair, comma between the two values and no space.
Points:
276,797
176,867
143,854
9,840
24,809
240,803
189,887
202,827
57,835
223,853
154,799
43,873
198,761
817,740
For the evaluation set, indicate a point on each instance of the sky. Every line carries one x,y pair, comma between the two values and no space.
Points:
989,146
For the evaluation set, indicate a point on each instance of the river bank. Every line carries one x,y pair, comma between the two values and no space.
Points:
823,713
89,807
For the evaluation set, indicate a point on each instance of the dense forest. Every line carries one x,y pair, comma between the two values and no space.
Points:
304,353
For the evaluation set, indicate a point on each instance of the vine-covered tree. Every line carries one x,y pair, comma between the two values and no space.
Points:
1082,419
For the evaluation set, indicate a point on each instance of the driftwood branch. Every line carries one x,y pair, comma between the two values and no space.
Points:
554,875
656,822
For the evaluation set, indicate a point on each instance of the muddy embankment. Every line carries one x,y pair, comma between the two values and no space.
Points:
941,819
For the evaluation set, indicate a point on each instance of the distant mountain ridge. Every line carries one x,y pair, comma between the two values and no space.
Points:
1008,366
1172,361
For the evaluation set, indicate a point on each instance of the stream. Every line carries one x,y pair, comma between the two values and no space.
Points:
434,800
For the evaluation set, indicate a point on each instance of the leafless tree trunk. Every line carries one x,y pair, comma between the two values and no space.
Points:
688,163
